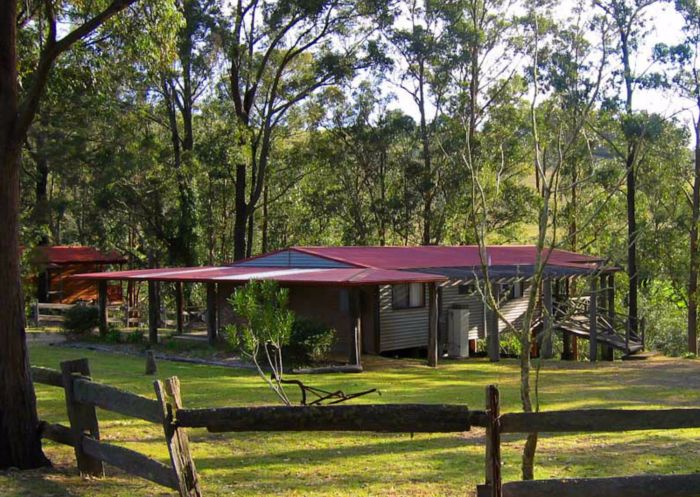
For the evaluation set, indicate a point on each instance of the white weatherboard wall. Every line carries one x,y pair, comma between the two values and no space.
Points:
401,328
514,311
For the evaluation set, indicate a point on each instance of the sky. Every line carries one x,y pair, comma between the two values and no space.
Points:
665,26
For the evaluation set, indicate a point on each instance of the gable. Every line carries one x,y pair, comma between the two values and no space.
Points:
292,258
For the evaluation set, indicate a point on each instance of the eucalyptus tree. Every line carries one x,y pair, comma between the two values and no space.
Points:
20,445
423,73
278,54
180,84
371,158
682,61
629,19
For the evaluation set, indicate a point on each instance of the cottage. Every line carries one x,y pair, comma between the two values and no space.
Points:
384,299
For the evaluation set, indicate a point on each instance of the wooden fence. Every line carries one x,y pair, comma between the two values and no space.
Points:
83,395
587,421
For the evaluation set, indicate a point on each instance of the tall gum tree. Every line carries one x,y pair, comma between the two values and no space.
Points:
628,17
684,80
20,445
278,55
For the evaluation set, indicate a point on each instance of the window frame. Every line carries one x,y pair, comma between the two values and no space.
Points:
407,305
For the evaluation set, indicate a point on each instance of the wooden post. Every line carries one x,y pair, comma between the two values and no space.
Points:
82,417
179,306
355,309
493,442
102,306
35,313
593,327
432,325
176,438
212,325
153,311
492,338
548,321
566,338
151,366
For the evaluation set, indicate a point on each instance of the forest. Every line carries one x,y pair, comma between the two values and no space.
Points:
198,132
195,132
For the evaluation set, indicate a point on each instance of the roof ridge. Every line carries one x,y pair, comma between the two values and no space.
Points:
309,251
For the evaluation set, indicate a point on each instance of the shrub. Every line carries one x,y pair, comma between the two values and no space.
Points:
309,342
135,337
265,327
113,335
81,319
665,321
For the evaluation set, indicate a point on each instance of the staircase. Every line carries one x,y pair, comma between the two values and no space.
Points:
575,318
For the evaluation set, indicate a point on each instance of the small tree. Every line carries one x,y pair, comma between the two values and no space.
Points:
265,327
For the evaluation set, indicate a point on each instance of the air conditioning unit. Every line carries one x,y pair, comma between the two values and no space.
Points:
458,333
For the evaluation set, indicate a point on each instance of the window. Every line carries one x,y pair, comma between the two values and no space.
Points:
408,296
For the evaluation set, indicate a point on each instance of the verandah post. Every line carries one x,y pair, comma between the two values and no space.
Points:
179,307
593,327
432,325
493,442
212,325
548,321
82,417
355,308
102,305
492,338
153,311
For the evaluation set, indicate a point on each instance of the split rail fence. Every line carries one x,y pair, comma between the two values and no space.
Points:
83,395
584,421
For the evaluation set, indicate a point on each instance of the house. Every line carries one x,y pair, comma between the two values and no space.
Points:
54,266
384,299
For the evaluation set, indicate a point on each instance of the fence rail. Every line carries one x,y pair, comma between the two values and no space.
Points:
588,421
393,418
82,397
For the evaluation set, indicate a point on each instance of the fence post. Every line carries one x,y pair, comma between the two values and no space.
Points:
82,417
35,313
176,437
493,442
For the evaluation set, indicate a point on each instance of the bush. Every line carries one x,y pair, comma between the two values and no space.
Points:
309,342
113,335
81,319
665,321
135,337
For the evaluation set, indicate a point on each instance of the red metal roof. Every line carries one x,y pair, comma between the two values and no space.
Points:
372,265
72,254
342,277
441,256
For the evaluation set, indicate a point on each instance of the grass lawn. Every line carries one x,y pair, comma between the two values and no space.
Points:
340,464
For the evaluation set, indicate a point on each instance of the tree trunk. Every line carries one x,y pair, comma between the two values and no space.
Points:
241,215
426,187
693,272
20,445
632,243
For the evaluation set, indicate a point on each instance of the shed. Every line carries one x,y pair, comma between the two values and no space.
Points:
55,265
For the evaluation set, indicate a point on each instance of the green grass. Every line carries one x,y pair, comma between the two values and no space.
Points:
335,464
